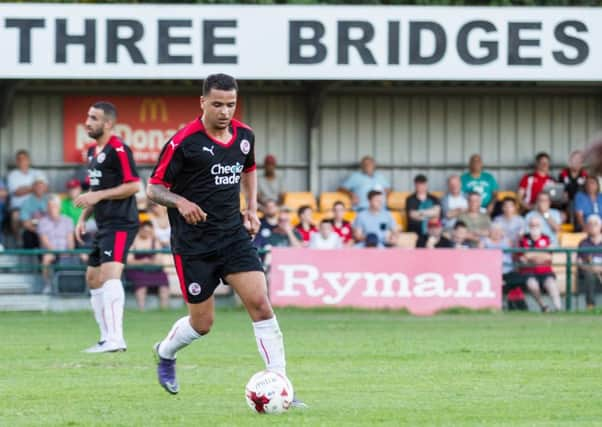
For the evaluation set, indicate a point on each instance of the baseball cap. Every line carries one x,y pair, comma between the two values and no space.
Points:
269,159
73,183
434,222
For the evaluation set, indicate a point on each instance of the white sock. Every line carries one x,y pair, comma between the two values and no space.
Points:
181,334
98,306
114,299
270,344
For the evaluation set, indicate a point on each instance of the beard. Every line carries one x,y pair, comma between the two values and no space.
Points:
95,134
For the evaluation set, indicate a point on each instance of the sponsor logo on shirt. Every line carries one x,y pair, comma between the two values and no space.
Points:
95,176
226,174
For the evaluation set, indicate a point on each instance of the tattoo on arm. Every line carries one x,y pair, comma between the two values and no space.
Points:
161,195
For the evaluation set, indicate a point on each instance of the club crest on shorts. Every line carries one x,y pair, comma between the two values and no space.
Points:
101,157
194,288
245,146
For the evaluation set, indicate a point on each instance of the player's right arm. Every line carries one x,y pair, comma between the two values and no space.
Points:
80,227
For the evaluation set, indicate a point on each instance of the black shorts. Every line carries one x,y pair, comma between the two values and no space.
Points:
199,275
540,277
111,245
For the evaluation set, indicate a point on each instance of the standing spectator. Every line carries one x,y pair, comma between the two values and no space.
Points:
305,228
270,186
160,220
421,206
550,218
590,264
435,237
476,221
326,238
460,236
3,200
454,203
68,208
375,227
152,275
360,183
573,177
510,221
32,209
478,181
532,184
340,225
537,272
55,232
267,224
588,202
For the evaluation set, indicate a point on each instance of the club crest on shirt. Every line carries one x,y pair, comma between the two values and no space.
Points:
194,288
101,157
245,146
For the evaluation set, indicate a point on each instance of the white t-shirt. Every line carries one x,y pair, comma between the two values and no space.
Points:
16,179
316,241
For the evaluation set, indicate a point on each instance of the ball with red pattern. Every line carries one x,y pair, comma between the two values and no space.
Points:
593,157
268,392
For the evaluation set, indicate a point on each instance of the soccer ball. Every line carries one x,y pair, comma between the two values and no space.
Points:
268,392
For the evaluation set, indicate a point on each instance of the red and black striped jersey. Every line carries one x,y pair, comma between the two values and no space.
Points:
110,167
207,172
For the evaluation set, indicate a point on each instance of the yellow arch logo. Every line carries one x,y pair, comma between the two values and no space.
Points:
151,108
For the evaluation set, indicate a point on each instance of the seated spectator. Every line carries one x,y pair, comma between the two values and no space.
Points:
421,206
476,221
305,228
68,208
478,181
537,270
340,225
284,235
573,177
533,183
267,223
550,218
510,221
497,240
360,183
152,275
454,202
435,237
160,220
20,186
375,227
32,209
590,264
459,236
3,200
587,202
55,232
326,238
270,186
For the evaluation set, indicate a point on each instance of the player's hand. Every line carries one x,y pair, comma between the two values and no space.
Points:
87,200
191,212
251,222
80,230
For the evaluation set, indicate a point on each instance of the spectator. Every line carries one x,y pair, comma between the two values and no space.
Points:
267,224
454,202
3,200
421,206
532,184
537,270
573,177
68,208
32,209
160,220
435,237
476,221
152,275
510,221
550,218
460,236
55,232
284,235
590,264
341,226
360,183
588,202
270,186
375,227
498,240
478,181
305,228
326,238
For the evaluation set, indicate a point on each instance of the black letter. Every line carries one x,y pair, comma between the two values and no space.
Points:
210,40
165,40
113,40
393,43
581,46
88,39
515,42
295,42
462,43
24,26
345,42
416,28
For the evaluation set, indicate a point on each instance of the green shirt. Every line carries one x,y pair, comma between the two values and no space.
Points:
70,210
485,185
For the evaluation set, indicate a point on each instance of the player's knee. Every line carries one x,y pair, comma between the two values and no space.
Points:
262,309
202,324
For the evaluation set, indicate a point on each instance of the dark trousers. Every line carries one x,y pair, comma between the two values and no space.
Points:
589,282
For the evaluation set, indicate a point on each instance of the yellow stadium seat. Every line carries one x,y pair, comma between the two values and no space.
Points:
501,195
317,217
438,194
294,200
567,228
328,199
397,200
571,240
407,240
399,218
350,216
559,268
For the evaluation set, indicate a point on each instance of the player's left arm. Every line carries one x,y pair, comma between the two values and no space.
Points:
249,188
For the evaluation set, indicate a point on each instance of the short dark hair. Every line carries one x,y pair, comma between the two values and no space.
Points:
509,199
545,193
302,209
420,178
327,221
22,152
107,108
460,224
219,82
146,223
337,203
374,193
541,155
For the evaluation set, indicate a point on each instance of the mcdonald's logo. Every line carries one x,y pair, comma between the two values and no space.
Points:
151,108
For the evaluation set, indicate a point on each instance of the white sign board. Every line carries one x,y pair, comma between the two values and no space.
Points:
300,42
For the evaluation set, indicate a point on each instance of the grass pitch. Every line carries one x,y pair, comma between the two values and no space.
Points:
352,368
